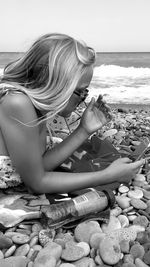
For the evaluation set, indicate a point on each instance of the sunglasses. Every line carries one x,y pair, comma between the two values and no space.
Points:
82,95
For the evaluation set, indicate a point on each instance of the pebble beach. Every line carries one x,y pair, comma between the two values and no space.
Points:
25,241
123,239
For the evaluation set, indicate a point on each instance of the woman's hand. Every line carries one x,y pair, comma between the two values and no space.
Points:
123,170
93,118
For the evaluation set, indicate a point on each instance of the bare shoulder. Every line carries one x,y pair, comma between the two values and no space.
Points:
18,105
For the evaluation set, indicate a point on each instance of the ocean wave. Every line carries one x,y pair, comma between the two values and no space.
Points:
121,84
118,71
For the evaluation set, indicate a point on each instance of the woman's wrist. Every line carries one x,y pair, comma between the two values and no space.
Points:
81,131
108,176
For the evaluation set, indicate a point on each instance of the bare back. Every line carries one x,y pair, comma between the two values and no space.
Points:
5,103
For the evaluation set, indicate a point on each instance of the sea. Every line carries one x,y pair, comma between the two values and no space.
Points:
119,77
122,78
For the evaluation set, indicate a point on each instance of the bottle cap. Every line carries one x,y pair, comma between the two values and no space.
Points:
110,196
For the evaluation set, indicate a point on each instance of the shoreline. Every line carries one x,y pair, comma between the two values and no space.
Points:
130,107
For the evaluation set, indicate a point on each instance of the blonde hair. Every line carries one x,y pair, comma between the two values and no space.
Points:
50,70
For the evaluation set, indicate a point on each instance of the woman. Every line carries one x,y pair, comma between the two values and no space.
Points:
51,77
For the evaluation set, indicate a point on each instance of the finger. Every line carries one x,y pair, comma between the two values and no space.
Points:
138,164
91,104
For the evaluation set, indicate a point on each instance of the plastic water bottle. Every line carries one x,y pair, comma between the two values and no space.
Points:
91,202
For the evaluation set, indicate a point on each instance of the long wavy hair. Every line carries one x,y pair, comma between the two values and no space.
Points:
49,71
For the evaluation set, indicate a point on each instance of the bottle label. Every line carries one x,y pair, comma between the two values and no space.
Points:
90,202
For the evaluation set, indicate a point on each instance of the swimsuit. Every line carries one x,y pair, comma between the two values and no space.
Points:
8,175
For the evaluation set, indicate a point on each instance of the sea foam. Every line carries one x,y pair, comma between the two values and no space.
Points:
121,84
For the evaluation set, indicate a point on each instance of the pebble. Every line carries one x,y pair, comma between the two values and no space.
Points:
128,258
85,247
137,193
139,177
5,242
23,231
1,255
137,251
138,204
146,257
83,231
46,236
98,260
123,220
22,250
127,210
140,263
123,189
109,133
10,234
123,202
60,242
72,253
115,211
15,261
30,253
95,240
109,250
34,241
20,239
141,220
10,251
124,246
45,261
127,233
37,227
133,212
143,237
85,262
37,247
146,194
132,217
114,223
51,249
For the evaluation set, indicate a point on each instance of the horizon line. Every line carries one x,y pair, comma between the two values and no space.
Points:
19,52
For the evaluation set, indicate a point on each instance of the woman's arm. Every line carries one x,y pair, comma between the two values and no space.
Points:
56,156
23,146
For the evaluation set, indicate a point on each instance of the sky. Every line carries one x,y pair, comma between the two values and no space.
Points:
105,25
